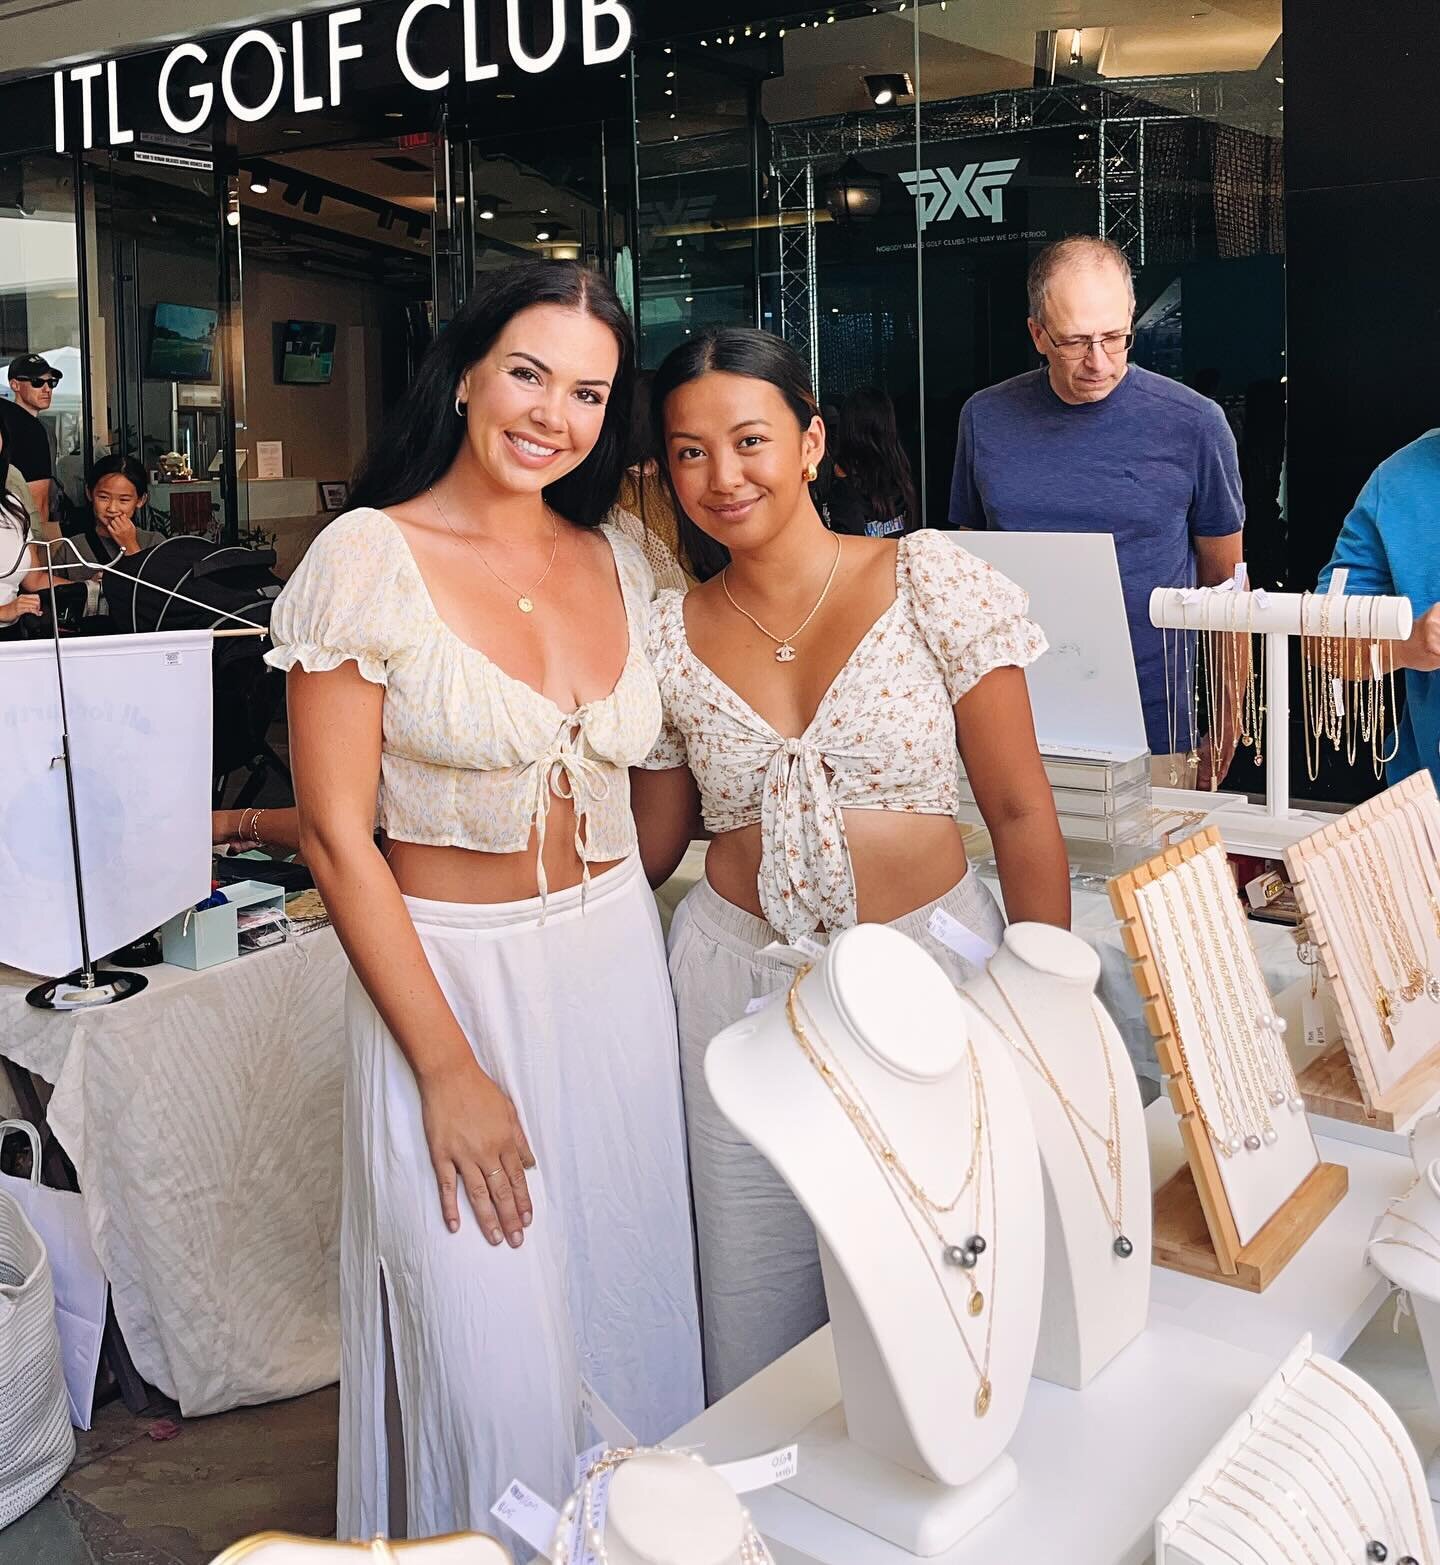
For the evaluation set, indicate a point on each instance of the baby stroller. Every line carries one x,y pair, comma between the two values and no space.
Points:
228,580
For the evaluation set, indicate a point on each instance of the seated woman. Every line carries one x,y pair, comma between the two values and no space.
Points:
21,576
819,694
872,494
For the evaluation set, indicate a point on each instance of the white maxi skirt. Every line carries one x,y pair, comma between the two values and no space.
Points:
574,1019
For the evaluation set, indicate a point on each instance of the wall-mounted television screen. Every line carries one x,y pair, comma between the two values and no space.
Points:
182,343
307,353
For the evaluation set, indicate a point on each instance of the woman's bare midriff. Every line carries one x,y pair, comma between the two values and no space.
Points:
901,862
442,874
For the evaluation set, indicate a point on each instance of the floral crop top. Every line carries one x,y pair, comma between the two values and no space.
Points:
882,738
470,757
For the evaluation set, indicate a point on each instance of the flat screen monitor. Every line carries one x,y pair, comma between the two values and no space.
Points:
182,343
307,353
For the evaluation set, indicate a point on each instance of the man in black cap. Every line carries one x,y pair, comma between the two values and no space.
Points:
27,442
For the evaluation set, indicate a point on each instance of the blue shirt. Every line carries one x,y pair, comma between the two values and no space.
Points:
1153,464
1390,544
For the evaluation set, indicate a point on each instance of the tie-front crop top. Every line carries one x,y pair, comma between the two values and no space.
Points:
882,738
470,757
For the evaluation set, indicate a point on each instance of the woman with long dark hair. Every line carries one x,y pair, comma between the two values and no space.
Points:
819,693
467,644
21,577
872,495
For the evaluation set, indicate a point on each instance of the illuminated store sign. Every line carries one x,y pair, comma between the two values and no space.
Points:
308,80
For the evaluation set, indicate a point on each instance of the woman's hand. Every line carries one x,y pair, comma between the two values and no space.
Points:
25,603
476,1141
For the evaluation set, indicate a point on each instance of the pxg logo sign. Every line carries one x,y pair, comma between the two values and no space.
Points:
977,190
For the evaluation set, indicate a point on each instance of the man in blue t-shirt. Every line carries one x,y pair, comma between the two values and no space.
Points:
1092,443
1390,544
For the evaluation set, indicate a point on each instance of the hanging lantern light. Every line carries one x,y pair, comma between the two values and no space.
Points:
853,193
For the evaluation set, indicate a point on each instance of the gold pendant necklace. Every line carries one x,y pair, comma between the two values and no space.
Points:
902,1186
524,601
1109,1138
784,649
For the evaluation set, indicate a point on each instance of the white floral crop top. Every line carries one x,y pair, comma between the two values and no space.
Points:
882,738
470,757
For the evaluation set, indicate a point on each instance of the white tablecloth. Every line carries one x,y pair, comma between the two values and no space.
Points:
203,1119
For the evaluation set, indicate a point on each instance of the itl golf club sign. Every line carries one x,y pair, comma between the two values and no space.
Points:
190,77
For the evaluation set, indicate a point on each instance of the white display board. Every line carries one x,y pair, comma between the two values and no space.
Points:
1084,691
140,734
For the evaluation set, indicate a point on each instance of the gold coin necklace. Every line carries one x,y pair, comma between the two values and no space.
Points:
906,1191
524,601
784,645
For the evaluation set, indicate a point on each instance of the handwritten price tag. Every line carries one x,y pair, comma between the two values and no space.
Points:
759,1472
528,1516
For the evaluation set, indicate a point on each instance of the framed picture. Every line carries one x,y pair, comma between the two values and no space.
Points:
335,496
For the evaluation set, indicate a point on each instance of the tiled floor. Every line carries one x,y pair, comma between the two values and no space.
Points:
133,1499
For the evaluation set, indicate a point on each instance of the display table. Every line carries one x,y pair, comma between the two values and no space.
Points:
1096,1467
203,1120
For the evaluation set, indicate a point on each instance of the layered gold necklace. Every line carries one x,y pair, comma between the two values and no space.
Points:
944,1255
1113,1204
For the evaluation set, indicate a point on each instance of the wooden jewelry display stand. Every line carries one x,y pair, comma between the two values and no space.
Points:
1195,1226
1356,1081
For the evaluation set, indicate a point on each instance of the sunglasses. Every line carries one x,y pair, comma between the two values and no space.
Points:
43,380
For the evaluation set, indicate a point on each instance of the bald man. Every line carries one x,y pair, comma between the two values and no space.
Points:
1093,443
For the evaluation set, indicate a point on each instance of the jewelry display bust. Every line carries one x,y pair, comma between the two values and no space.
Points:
654,1507
1039,998
908,1143
1317,1470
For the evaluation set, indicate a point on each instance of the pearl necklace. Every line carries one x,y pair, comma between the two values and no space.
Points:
1114,1210
586,1501
902,1186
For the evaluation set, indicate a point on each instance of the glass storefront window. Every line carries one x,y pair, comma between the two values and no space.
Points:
40,292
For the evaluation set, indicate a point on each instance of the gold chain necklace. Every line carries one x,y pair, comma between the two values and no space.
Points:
1389,841
1114,1209
1294,1490
1243,1046
1381,1498
1400,945
524,601
1321,1462
1428,862
784,651
1269,1028
1374,1418
1254,1520
1381,997
965,1257
1233,1139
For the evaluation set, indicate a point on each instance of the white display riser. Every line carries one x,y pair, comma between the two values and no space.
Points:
1327,1290
1096,1466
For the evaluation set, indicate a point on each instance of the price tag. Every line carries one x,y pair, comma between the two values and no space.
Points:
1312,1020
1242,577
603,1419
1339,578
811,949
586,1460
1376,672
759,1472
960,938
528,1516
1337,694
761,1001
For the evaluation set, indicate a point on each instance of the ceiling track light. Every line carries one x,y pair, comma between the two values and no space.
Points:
386,219
889,87
313,202
259,184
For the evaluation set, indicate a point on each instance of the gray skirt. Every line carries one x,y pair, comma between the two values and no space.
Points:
760,1284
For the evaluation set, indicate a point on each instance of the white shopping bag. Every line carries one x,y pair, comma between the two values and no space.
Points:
81,1288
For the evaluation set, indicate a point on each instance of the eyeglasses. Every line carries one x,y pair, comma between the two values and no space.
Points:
1074,348
41,380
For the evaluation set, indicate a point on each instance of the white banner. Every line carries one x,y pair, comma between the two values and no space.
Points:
140,738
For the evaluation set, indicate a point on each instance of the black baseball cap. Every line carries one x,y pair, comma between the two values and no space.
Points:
30,366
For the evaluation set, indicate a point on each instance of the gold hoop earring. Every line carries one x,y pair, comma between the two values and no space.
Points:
811,473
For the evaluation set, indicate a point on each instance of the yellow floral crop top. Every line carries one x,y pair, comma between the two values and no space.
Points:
882,738
470,757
